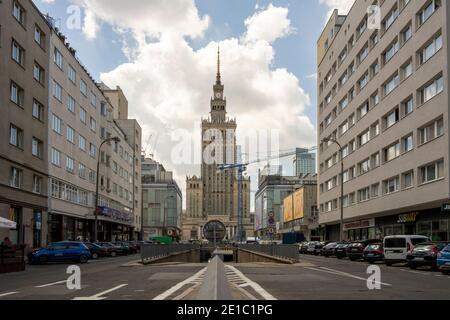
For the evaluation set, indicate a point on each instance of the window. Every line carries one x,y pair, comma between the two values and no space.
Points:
432,90
364,137
374,39
57,91
103,109
37,184
93,99
57,124
407,70
92,150
375,189
364,194
70,164
82,143
362,55
408,179
93,124
56,157
351,69
363,110
70,103
431,131
343,79
70,134
391,85
364,166
392,185
362,27
83,88
16,94
430,50
15,178
407,106
391,51
39,36
72,74
92,176
343,128
392,118
375,160
16,136
58,58
19,13
390,18
428,11
37,148
432,172
17,53
81,170
375,99
408,143
38,110
391,152
363,81
38,73
407,33
82,115
374,69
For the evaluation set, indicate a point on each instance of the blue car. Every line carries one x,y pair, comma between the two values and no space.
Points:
443,260
59,252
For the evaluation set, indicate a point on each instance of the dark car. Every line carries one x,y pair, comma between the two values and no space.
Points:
341,250
122,248
111,249
59,252
425,254
303,248
356,248
328,249
373,252
96,250
134,246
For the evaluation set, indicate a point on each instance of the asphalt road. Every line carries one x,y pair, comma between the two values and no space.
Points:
320,278
314,278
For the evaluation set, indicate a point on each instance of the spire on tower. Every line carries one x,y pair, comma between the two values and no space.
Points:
218,81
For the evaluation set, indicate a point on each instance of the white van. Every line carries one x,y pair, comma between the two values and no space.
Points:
396,248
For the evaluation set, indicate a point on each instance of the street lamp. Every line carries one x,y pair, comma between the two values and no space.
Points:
116,140
326,140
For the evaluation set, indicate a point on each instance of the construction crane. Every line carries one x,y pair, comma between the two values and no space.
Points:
147,146
241,168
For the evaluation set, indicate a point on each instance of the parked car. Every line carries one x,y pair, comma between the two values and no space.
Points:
443,260
328,250
312,247
373,252
59,252
396,248
134,248
122,248
304,247
341,250
111,249
425,254
356,248
96,250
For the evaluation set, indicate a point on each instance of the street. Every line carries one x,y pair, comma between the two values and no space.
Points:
314,278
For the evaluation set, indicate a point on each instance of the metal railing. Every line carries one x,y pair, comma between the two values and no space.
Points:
215,284
289,251
153,251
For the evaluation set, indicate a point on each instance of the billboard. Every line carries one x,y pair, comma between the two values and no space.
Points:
287,209
294,211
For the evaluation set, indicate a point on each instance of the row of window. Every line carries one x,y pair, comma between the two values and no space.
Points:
16,180
426,174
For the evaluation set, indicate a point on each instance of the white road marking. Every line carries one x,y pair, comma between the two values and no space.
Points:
8,294
179,285
254,285
345,274
99,296
51,284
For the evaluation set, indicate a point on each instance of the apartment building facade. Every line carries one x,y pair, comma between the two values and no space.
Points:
383,96
24,69
81,118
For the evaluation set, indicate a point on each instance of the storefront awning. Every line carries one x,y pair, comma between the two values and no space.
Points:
7,224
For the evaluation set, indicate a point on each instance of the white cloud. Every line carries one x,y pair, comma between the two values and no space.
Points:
48,1
169,84
343,6
268,24
149,18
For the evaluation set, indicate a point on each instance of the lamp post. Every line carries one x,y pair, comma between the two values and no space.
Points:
326,140
116,140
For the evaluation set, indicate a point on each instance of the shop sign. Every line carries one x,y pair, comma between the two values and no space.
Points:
446,207
359,224
407,217
114,214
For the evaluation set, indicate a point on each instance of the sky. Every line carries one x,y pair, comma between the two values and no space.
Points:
163,55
